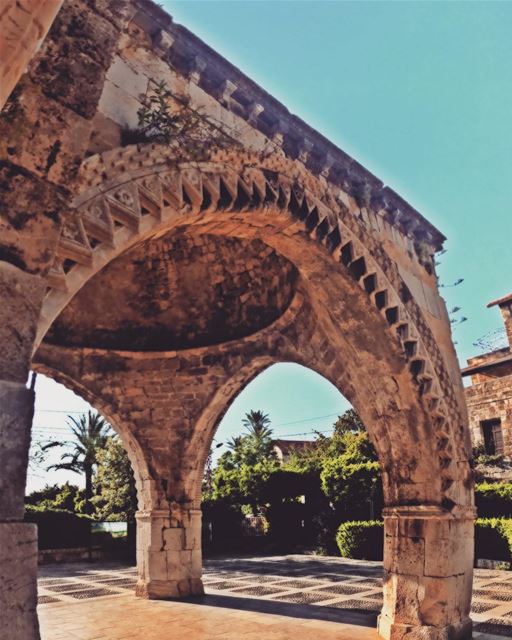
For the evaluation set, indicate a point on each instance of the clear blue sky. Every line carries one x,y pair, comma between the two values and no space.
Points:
418,92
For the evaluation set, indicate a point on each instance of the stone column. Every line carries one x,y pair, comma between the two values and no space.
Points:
169,553
428,573
20,296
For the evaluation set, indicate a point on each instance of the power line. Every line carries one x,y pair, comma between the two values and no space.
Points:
329,415
69,411
281,424
306,433
43,430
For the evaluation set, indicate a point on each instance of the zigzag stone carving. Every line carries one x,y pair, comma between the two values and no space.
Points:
133,193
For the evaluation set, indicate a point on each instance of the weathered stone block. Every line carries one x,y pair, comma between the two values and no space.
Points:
18,580
197,563
116,12
21,295
21,217
23,27
173,539
393,631
47,139
401,597
157,565
404,555
447,556
16,411
439,601
119,106
123,75
71,66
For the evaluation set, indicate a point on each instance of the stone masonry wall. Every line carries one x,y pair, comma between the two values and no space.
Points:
490,400
366,312
154,49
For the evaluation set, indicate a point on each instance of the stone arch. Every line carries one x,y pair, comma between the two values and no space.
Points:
216,410
136,193
352,318
130,444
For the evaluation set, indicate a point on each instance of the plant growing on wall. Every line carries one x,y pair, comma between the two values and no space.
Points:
157,122
167,119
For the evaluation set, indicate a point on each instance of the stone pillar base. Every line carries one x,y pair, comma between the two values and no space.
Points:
162,589
392,631
169,553
18,581
428,573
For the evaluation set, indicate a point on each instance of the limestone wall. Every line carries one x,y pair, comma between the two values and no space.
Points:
490,400
154,49
23,27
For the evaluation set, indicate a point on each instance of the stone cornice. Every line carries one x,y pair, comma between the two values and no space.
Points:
241,95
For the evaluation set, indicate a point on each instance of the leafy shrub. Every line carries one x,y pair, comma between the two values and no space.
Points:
493,539
67,497
362,540
351,487
483,458
282,484
494,499
59,529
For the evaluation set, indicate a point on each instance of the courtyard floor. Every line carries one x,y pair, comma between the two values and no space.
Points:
262,598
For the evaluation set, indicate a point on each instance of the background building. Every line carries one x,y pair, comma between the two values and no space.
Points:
489,397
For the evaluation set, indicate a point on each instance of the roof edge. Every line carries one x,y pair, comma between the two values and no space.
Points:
198,54
500,301
483,366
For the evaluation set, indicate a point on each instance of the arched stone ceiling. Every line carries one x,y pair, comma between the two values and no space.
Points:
176,292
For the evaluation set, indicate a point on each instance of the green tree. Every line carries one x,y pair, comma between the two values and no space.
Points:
348,422
349,439
351,487
257,424
242,472
257,444
347,466
67,496
90,433
350,473
115,492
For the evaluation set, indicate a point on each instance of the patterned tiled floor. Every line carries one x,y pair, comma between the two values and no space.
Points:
327,590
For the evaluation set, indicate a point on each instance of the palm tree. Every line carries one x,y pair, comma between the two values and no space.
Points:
236,443
258,440
91,432
257,424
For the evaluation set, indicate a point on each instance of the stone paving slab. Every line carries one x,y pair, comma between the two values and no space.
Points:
128,618
328,590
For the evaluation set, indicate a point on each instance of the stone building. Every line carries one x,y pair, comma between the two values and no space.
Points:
489,398
285,448
156,280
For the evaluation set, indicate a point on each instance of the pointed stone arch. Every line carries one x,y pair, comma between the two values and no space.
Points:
135,193
362,307
143,482
351,315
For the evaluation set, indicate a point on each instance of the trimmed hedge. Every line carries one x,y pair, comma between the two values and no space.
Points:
362,540
493,539
494,499
365,540
59,529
